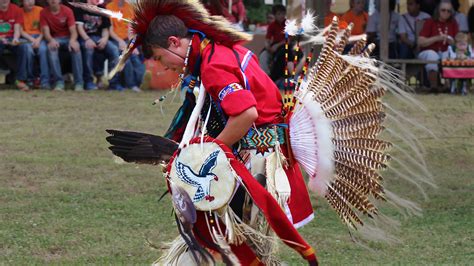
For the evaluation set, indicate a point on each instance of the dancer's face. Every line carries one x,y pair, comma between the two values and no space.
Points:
172,58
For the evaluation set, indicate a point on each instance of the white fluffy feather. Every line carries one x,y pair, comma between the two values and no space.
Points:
307,23
291,28
310,134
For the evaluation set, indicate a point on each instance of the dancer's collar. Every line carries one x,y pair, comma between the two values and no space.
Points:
198,44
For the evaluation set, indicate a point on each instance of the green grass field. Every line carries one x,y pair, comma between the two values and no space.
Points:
64,200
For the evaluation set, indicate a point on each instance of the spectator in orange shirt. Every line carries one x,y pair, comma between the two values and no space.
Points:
329,15
119,30
37,46
358,16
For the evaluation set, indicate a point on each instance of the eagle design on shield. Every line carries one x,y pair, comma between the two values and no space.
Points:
202,180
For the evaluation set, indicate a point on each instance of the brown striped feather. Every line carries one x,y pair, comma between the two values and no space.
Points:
371,132
347,215
358,121
359,160
371,144
359,179
358,200
345,38
358,46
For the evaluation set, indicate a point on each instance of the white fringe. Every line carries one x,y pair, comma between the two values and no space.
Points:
175,254
311,134
190,127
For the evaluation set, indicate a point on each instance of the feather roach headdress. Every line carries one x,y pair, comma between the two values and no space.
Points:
191,12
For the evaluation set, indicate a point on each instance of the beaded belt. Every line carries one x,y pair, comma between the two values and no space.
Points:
264,137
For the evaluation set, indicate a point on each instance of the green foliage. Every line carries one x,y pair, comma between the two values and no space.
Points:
63,199
257,14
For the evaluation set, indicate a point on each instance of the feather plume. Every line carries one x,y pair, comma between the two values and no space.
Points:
291,27
100,11
307,23
191,12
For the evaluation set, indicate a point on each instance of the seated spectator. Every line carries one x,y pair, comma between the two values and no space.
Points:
470,18
94,32
263,27
437,33
407,29
330,15
134,68
460,51
358,16
461,19
11,20
374,27
233,10
275,37
428,6
59,30
36,45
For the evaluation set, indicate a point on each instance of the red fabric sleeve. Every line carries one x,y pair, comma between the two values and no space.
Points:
18,15
43,21
270,31
224,82
71,21
238,101
427,29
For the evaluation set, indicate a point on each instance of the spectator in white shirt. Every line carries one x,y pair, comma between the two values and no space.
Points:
461,19
373,28
470,18
407,29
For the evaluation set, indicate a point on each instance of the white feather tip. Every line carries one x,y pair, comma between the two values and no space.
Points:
291,28
307,23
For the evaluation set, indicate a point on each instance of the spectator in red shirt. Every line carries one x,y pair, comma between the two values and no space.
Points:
275,38
435,37
233,10
11,21
59,30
